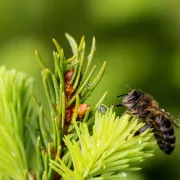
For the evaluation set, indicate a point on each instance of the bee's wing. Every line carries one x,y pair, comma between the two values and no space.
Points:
176,122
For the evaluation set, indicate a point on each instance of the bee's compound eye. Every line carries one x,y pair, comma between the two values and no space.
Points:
132,97
136,94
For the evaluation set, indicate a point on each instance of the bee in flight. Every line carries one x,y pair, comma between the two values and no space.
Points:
145,107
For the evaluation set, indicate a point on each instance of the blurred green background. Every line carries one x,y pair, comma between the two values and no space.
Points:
139,39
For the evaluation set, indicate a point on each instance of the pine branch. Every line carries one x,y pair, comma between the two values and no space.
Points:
62,87
79,141
78,145
16,124
111,150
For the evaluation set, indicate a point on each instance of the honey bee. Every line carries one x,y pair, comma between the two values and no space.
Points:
144,106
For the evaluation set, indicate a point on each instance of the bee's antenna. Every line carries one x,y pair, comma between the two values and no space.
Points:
122,95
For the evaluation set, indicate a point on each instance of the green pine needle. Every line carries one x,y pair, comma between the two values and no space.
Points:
16,124
109,151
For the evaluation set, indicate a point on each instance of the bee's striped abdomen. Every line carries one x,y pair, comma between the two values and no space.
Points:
164,133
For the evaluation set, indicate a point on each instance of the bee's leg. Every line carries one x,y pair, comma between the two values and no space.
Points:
141,114
147,125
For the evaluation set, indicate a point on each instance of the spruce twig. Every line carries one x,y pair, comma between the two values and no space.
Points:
79,141
112,149
86,147
62,87
17,125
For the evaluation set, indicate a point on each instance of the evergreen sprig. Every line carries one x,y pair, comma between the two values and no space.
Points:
78,141
62,86
16,124
75,150
109,151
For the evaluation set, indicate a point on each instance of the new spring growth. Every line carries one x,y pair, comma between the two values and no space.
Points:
16,129
110,150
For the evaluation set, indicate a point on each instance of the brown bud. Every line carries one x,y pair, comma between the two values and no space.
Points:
68,75
69,89
82,110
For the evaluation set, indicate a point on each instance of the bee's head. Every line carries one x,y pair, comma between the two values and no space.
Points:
131,98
